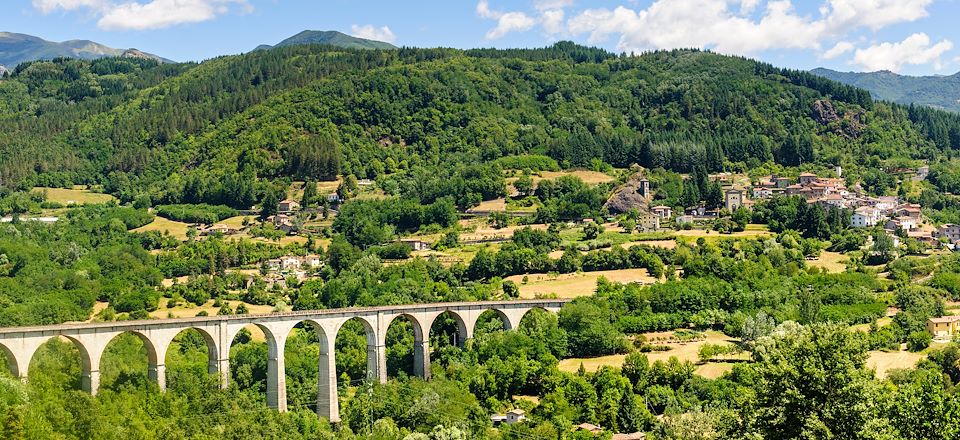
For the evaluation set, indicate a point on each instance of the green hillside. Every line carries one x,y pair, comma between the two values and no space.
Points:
224,131
330,38
936,91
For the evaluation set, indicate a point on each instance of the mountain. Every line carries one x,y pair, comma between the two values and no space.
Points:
936,91
232,129
331,38
17,48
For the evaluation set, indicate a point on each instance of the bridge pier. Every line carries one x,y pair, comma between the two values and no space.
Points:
90,382
158,374
421,359
328,404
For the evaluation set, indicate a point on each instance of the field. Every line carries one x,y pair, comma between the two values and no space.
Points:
75,196
295,192
237,222
191,310
683,351
495,205
484,231
588,177
575,284
883,362
752,231
176,229
833,262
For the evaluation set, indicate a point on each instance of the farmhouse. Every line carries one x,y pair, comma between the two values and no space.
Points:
662,211
416,245
649,222
943,327
288,206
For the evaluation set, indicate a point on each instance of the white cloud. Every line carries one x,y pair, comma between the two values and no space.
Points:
546,5
748,6
484,11
553,21
511,22
839,49
370,32
136,15
915,50
729,26
698,23
873,14
48,6
506,21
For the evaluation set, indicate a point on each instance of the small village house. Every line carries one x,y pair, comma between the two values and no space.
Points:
865,217
949,231
944,327
589,427
288,206
662,211
516,416
416,245
648,222
807,178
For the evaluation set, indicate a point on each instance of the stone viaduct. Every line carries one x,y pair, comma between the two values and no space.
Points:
19,344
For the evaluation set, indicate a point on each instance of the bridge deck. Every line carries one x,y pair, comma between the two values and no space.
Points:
301,313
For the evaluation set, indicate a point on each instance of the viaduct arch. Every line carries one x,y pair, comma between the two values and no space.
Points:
19,344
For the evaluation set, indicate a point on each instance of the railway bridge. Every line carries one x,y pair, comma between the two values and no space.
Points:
19,344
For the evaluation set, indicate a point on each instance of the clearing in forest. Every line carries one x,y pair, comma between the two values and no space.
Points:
578,284
75,196
684,351
177,229
833,262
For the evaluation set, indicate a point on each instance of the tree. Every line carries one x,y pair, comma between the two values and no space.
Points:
524,184
812,383
269,204
309,193
592,230
922,409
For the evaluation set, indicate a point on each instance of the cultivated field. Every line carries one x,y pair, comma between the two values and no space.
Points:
495,205
833,262
576,284
163,225
684,351
752,231
883,362
75,196
588,177
191,310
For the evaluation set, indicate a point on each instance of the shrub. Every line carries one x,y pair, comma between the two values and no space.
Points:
201,213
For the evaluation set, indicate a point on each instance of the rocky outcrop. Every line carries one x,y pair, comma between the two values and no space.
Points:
628,196
824,112
848,124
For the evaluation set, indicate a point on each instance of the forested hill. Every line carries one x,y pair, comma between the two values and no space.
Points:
936,91
330,38
233,129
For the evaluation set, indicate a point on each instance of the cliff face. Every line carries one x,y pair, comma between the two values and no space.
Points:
629,196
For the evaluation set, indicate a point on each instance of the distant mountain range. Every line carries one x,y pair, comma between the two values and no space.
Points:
18,48
332,38
935,91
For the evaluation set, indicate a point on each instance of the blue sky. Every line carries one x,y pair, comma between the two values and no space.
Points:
917,37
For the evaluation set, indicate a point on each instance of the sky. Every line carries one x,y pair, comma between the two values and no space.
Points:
913,37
